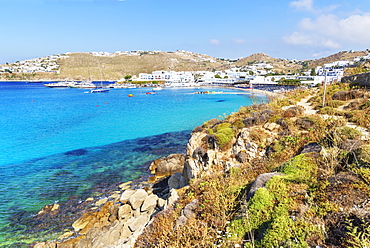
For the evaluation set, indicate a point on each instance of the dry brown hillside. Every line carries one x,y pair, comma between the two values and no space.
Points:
84,65
344,55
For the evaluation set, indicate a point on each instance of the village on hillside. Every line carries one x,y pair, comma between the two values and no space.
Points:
252,74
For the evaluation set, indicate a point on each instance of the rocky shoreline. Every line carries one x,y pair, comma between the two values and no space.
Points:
280,150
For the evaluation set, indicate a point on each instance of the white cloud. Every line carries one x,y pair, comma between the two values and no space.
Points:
239,41
214,42
302,5
329,30
312,39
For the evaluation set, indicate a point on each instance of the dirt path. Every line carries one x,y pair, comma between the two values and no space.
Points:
309,110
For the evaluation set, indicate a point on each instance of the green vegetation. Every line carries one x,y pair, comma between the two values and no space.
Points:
223,133
309,204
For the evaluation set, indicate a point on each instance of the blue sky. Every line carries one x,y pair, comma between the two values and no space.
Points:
300,29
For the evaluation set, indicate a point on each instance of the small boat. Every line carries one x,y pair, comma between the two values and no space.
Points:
99,90
64,84
84,85
157,88
151,93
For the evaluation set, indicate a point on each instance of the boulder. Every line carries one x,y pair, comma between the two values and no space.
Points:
139,222
293,111
345,95
168,165
137,199
125,212
174,197
126,195
189,209
84,220
181,221
150,203
177,181
260,182
312,147
305,123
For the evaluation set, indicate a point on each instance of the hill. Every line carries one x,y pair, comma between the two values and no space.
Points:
105,66
84,65
344,55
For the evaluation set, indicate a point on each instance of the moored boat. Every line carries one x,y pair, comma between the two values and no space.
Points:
99,90
65,84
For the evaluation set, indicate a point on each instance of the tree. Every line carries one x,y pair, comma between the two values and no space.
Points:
313,72
128,77
217,76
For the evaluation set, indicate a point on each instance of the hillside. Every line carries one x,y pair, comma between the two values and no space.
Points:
344,55
83,65
101,66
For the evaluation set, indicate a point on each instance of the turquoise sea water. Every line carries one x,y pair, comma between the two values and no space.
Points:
55,143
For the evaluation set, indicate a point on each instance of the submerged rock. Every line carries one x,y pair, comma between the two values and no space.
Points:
78,152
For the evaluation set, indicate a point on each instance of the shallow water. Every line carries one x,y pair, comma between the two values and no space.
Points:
56,143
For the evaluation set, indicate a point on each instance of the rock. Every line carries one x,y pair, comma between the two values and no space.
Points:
84,220
198,129
125,232
248,122
189,209
150,203
191,169
78,152
101,202
139,223
177,181
181,221
260,182
241,157
211,141
138,198
293,111
271,126
199,153
305,123
161,202
172,198
126,195
345,95
113,212
312,147
124,212
167,166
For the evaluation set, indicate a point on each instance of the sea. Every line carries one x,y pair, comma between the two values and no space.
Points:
57,143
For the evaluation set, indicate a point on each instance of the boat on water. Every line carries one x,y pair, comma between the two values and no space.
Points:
84,85
99,90
157,88
64,84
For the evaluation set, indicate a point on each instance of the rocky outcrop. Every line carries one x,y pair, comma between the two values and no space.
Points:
345,95
117,223
358,80
168,165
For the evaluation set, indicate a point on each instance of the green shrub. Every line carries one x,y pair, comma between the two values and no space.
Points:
223,133
350,133
335,103
327,111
